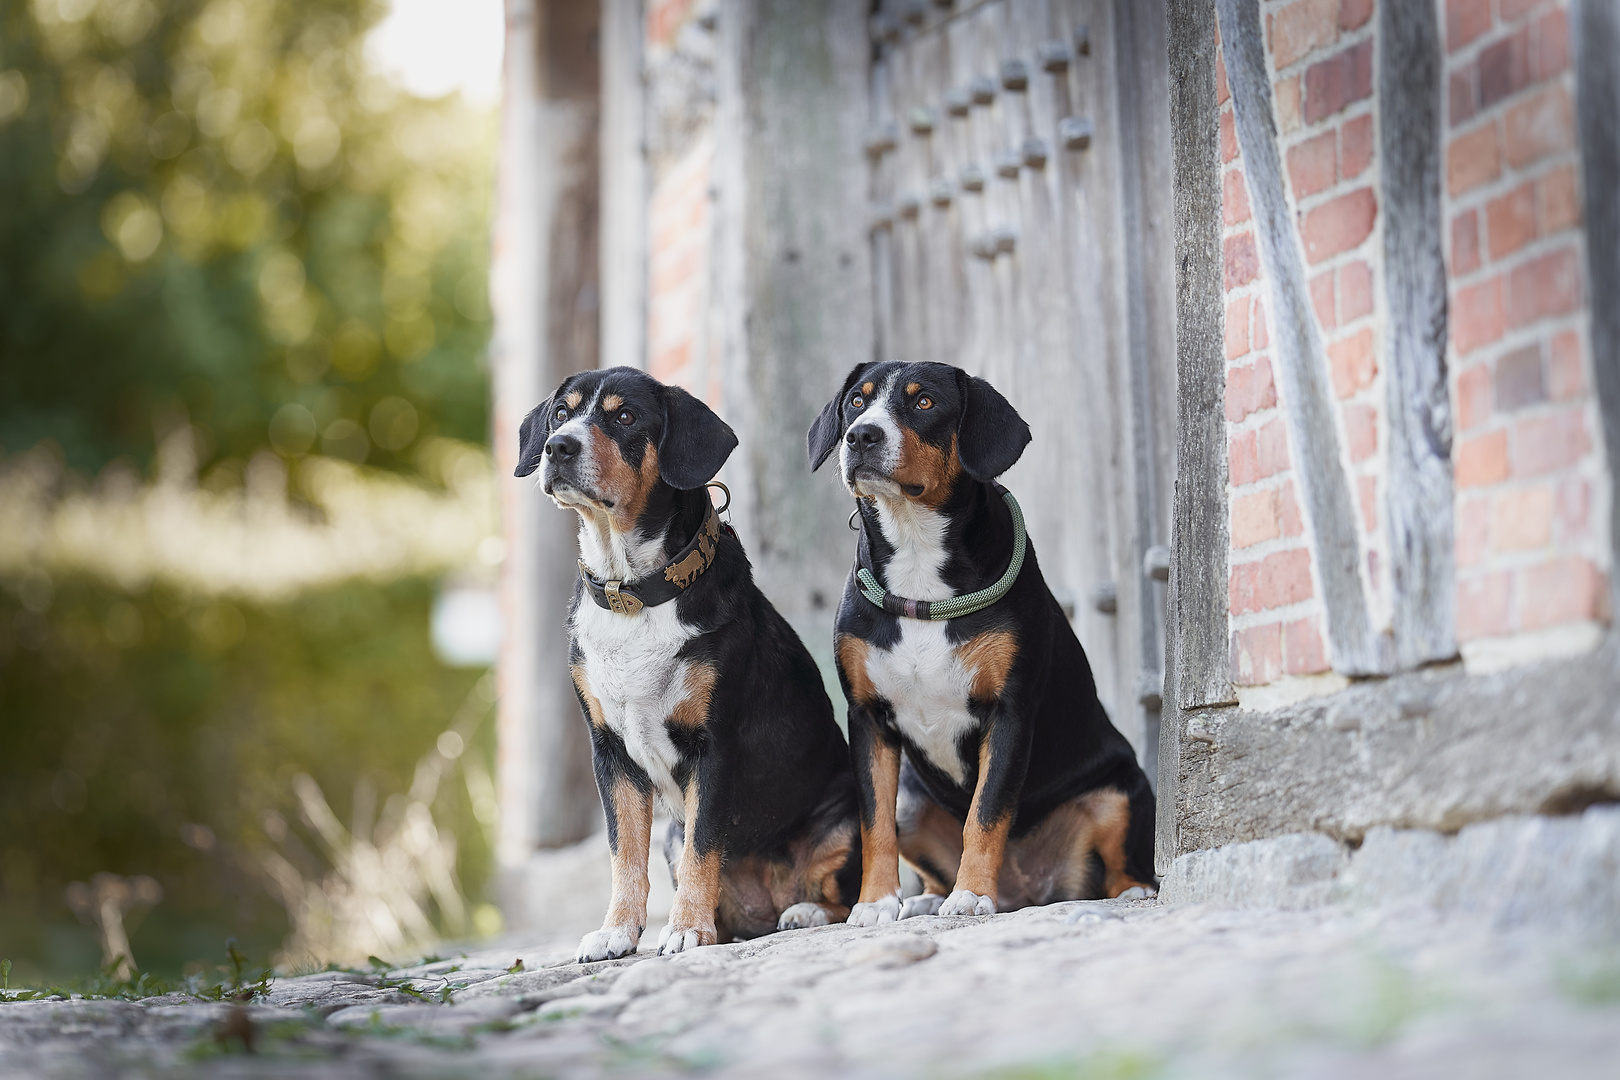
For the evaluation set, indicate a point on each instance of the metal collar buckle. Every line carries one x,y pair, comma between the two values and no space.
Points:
621,603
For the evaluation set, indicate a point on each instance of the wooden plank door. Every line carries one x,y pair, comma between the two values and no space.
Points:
1021,229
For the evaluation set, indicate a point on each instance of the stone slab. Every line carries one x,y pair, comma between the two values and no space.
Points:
1433,749
1559,872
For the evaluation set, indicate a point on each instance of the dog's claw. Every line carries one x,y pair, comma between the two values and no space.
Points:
885,909
924,904
802,915
673,939
967,902
608,943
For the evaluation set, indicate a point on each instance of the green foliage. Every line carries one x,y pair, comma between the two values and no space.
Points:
211,211
1591,979
157,734
1106,1064
201,986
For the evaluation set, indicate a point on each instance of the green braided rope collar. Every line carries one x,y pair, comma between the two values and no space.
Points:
956,606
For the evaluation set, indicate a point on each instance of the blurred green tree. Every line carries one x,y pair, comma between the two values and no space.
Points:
217,220
212,212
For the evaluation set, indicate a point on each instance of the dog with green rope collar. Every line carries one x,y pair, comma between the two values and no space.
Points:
982,752
956,606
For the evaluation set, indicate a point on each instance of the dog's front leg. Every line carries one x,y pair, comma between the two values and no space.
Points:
1003,759
627,800
876,757
697,877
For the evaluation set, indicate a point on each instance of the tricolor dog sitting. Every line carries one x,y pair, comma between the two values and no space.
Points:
696,690
971,704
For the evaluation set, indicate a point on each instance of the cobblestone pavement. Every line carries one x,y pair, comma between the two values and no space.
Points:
1127,989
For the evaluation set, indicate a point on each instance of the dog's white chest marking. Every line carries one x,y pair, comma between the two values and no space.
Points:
633,671
928,687
922,676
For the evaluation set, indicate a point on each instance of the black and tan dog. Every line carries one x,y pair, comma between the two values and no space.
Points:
696,690
1013,787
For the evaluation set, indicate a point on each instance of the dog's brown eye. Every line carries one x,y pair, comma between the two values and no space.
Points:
858,402
562,413
625,417
925,402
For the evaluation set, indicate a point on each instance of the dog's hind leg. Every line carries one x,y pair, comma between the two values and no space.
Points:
674,840
826,875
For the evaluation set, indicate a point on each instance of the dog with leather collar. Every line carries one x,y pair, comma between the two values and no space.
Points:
698,694
982,753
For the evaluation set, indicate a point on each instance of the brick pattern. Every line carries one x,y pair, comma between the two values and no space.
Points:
1530,538
1322,57
1276,617
679,251
665,18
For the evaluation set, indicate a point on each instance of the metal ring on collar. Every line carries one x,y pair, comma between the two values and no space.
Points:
722,487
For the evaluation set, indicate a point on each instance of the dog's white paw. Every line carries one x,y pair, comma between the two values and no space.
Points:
923,904
967,902
673,939
885,909
608,943
1137,892
802,915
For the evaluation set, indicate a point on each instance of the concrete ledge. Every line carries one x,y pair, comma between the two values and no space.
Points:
1433,749
1558,872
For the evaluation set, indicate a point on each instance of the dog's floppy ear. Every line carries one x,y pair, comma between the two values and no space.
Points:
532,435
990,436
824,432
695,443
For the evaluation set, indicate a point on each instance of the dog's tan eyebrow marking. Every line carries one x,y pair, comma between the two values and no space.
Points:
867,388
573,399
912,388
611,403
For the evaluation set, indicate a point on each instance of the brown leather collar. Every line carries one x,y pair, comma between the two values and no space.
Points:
629,597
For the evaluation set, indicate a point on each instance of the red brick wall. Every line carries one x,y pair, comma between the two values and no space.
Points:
1276,617
1530,479
664,19
680,230
1530,541
1321,53
678,256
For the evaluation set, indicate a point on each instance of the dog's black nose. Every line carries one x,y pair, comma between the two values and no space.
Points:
864,436
562,447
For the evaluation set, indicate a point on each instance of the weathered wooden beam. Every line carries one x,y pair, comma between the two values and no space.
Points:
1301,365
1197,664
1418,489
545,260
1141,54
1597,79
625,185
793,291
